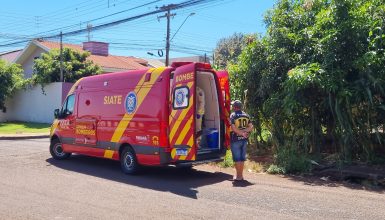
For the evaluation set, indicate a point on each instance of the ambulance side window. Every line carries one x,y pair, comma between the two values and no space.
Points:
68,107
181,97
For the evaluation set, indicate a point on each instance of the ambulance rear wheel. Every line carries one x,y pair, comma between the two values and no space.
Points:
56,150
128,161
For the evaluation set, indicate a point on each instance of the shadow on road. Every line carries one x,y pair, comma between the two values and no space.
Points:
351,183
166,179
242,183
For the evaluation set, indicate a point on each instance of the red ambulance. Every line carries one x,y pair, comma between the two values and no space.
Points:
146,117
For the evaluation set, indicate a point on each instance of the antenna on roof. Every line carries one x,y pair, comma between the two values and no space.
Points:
89,27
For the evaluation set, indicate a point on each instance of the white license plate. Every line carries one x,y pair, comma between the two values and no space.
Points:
181,152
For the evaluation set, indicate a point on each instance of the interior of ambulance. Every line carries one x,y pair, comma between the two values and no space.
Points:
207,113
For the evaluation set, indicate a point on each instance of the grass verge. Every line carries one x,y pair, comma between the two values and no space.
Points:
23,127
252,164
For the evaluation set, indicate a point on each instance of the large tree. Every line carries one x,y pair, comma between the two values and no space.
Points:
75,66
11,79
317,78
228,49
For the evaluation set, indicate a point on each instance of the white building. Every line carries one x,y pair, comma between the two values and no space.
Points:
31,105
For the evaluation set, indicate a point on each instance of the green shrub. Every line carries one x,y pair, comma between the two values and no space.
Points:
228,161
11,78
290,161
274,169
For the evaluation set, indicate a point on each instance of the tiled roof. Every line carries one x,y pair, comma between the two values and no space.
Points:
110,61
10,55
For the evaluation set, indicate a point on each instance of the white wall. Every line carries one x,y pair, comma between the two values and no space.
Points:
28,64
32,105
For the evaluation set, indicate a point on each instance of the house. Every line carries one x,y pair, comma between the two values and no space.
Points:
9,56
99,55
154,62
32,105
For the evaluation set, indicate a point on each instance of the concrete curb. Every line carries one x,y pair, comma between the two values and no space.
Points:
23,137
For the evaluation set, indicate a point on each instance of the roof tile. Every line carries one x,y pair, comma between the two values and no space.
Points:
110,61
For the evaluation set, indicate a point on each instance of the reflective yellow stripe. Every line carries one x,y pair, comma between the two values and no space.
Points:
186,128
173,153
141,94
72,90
183,157
190,141
108,153
53,127
182,115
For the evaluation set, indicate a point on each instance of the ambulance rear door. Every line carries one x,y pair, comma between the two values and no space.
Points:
182,112
223,77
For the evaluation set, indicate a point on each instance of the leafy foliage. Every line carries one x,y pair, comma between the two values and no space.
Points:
316,80
274,169
228,160
228,49
75,66
11,78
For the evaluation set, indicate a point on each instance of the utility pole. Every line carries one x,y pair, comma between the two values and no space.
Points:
61,57
168,15
89,28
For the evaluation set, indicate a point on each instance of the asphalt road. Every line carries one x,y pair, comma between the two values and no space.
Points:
34,186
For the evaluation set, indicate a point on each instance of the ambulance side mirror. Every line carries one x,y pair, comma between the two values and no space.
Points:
56,113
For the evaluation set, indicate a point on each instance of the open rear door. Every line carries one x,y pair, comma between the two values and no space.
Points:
182,112
223,77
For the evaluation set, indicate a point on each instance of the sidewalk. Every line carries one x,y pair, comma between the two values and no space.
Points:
23,136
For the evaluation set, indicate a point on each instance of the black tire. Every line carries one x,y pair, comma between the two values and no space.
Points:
128,161
56,150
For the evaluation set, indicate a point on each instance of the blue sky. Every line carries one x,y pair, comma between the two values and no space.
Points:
23,20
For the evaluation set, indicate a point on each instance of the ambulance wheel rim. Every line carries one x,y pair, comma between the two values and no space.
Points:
128,161
58,150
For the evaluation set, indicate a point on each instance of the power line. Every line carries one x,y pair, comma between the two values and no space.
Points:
93,20
70,15
177,6
27,39
183,5
113,14
114,23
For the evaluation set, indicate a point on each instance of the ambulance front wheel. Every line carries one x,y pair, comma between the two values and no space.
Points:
128,161
56,150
